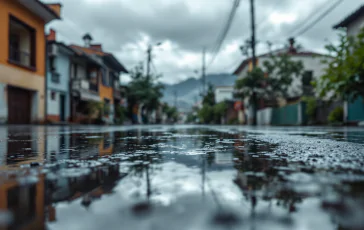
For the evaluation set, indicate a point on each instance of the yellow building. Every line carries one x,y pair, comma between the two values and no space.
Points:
23,59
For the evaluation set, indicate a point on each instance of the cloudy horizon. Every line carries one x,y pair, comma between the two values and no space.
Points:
125,28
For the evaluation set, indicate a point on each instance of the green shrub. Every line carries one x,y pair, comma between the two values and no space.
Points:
311,106
336,115
233,121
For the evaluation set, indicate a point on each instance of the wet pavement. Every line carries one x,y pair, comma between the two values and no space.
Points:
181,177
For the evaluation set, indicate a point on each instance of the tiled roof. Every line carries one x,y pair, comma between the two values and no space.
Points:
105,55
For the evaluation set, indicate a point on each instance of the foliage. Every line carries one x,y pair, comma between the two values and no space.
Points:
209,98
272,80
233,121
336,115
191,117
206,114
120,114
220,111
171,112
106,108
93,108
344,76
311,107
144,90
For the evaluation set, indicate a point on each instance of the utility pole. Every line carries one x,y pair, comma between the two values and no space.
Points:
254,59
203,70
252,14
149,59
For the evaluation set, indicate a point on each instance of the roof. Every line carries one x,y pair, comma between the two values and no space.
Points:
41,9
349,19
89,57
292,54
107,57
69,49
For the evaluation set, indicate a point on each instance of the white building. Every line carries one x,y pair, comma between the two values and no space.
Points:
223,93
353,23
313,69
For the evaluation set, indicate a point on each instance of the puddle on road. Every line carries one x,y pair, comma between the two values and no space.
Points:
188,178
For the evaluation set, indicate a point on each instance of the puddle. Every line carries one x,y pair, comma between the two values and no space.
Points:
185,177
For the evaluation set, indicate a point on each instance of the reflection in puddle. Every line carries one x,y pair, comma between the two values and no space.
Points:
189,178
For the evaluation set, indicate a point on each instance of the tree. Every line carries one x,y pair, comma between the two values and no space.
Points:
209,98
171,112
220,111
206,113
144,90
344,76
271,81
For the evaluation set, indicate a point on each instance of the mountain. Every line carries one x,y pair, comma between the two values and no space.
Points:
189,90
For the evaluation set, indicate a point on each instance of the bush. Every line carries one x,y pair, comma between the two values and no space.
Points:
120,114
336,115
311,106
233,121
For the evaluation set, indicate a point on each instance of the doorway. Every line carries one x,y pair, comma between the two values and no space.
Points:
19,105
62,108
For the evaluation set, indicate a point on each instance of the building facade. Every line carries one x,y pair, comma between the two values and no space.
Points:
22,59
109,88
354,23
58,80
313,69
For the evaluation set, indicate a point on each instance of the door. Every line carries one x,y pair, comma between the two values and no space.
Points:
62,112
19,105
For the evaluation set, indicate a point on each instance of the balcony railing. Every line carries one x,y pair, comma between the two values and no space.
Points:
20,57
84,85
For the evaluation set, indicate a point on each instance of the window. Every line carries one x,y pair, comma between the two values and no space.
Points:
307,78
307,88
22,44
107,77
55,77
53,96
51,63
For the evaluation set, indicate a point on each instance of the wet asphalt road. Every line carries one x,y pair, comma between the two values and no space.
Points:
181,177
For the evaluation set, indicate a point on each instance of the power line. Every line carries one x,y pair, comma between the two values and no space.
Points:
310,16
225,30
323,15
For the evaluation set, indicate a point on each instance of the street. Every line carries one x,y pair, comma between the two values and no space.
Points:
181,177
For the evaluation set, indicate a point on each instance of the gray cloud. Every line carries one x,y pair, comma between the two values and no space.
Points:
188,25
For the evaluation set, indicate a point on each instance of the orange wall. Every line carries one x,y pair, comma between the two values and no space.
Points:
105,92
12,7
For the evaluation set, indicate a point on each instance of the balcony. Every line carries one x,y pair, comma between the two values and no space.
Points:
22,42
86,90
84,85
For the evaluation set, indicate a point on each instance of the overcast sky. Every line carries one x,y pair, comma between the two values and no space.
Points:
125,27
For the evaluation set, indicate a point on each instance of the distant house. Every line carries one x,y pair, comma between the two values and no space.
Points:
58,80
353,111
223,93
105,80
313,69
23,58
